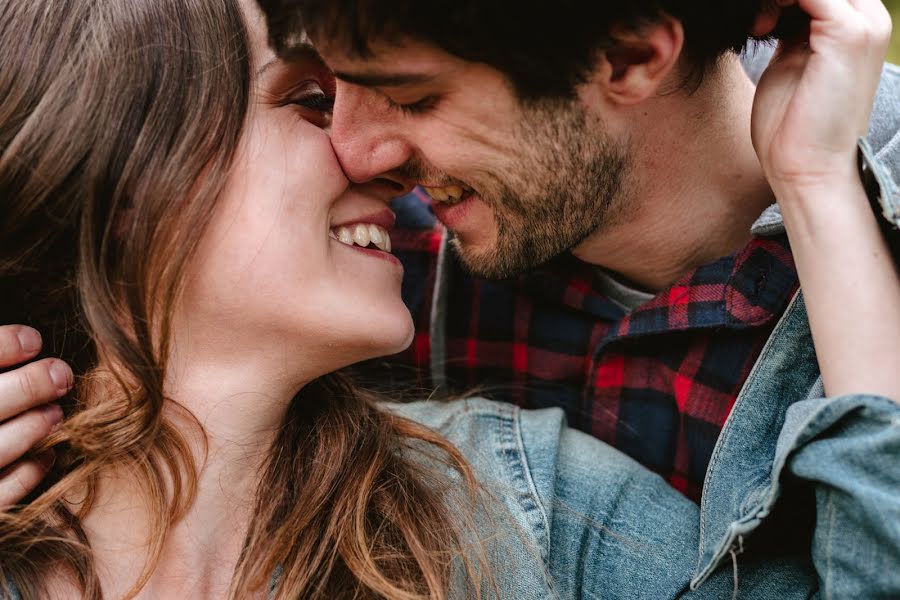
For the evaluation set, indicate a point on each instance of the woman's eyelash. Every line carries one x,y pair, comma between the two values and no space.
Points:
317,102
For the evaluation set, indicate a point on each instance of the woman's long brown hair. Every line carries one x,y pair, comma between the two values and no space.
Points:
118,122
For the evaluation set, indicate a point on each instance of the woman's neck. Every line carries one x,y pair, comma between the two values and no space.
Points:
240,411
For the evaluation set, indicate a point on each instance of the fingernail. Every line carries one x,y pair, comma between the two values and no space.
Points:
30,340
53,413
61,376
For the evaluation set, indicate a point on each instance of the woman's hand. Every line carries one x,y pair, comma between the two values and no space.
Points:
26,413
815,99
811,106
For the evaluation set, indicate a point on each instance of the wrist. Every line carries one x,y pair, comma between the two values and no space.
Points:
836,209
818,192
840,173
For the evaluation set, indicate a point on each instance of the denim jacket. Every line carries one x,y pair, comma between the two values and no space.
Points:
802,498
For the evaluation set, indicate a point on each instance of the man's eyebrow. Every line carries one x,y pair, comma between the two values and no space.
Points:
383,79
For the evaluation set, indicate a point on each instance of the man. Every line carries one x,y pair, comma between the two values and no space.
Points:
596,159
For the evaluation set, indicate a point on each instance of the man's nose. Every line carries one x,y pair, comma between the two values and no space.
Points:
366,140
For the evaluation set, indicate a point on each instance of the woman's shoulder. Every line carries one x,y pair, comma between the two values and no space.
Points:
507,447
466,420
597,520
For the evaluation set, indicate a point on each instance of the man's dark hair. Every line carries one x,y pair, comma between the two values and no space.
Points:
545,48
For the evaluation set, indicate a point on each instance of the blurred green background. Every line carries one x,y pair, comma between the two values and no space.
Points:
894,7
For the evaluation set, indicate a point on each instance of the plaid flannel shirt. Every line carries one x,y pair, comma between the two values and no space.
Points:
657,383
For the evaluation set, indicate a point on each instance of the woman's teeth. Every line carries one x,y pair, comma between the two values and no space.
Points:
450,194
362,235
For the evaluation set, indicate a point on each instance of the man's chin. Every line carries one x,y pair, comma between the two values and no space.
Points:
481,262
488,262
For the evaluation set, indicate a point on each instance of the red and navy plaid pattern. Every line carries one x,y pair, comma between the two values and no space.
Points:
657,383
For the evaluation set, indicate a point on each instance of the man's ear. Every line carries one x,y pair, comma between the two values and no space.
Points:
641,61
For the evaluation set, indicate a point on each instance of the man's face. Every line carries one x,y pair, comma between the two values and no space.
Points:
517,183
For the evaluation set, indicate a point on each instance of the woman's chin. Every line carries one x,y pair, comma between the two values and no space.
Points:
397,339
385,337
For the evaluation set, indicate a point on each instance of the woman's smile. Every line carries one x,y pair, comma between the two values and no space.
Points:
370,235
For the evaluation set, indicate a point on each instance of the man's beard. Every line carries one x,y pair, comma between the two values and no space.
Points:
568,181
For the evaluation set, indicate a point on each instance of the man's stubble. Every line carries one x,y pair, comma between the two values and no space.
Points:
568,181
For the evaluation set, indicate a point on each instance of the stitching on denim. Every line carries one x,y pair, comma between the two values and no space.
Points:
734,554
520,443
828,565
728,428
514,459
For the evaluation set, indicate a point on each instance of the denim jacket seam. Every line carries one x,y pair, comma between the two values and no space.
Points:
724,436
827,579
510,447
532,488
509,450
757,504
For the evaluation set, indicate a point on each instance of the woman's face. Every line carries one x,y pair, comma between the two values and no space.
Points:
276,269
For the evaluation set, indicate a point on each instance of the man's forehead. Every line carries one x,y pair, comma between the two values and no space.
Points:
388,64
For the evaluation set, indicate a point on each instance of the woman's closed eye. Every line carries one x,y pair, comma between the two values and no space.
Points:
312,103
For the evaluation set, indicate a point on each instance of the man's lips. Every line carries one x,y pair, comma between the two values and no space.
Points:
454,216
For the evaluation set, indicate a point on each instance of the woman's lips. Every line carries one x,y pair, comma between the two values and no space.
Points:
384,219
386,256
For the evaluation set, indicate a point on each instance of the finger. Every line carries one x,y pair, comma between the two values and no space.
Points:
19,435
877,17
871,7
19,479
826,10
18,344
32,385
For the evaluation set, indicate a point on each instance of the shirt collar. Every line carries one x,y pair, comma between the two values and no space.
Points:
746,289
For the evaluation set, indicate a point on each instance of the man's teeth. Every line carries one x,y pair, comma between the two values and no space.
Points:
362,235
450,194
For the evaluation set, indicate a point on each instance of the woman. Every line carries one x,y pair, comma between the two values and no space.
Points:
180,223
